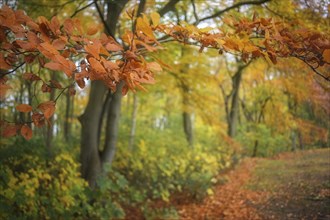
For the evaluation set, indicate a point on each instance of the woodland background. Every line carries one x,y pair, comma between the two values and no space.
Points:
106,153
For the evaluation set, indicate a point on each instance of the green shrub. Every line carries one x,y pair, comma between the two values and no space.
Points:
32,188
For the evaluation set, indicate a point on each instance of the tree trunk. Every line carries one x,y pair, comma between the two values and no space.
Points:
91,120
293,140
234,109
112,126
255,148
89,154
50,127
133,124
68,116
188,128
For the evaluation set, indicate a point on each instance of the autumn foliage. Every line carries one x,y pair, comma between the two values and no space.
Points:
66,47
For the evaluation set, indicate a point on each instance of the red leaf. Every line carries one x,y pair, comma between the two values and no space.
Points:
26,132
24,108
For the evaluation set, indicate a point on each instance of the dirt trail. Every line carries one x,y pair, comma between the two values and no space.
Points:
291,186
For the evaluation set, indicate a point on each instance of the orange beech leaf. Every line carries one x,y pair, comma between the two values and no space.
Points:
68,26
50,48
3,64
109,65
56,84
26,45
38,119
54,66
45,88
153,66
104,51
59,44
92,29
81,83
68,65
113,47
94,49
326,55
33,38
47,108
96,65
72,91
24,108
10,130
55,25
31,77
26,132
29,58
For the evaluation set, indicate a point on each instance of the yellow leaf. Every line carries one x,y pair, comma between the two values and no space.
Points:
142,25
155,17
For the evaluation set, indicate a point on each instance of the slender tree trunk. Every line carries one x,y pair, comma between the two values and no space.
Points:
255,148
301,142
112,126
186,114
50,127
293,140
68,116
234,110
133,122
187,117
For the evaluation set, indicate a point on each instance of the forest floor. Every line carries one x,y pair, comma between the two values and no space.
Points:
290,186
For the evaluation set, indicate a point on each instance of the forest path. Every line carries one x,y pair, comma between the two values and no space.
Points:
290,186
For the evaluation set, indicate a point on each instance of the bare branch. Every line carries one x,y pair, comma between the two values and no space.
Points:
170,6
195,13
252,2
80,9
2,74
107,28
